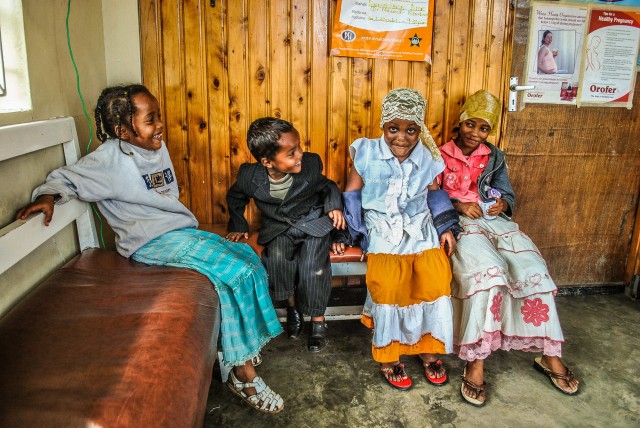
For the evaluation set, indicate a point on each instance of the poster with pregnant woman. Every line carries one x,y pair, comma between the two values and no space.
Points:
554,52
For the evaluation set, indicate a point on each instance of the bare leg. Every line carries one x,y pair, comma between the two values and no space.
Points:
246,373
266,400
474,371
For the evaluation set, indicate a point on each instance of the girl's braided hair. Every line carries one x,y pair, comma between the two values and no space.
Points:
114,108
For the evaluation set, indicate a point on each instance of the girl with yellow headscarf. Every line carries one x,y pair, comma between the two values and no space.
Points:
502,293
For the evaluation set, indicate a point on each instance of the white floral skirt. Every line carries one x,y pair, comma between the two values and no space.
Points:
503,296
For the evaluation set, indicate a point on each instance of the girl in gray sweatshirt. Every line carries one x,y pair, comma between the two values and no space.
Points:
131,179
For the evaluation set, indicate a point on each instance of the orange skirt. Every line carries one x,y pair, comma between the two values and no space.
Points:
410,295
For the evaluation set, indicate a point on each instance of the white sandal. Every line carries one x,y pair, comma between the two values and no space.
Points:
271,402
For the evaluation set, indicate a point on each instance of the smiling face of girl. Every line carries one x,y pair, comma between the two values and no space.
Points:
146,122
473,132
401,136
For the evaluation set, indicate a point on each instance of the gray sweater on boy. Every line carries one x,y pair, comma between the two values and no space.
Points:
137,195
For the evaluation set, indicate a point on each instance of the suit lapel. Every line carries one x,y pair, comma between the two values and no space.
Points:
261,181
299,183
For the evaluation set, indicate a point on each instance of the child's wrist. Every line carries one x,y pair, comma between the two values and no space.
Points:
48,198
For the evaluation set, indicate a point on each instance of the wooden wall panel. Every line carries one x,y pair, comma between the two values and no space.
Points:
319,77
173,79
217,88
576,184
458,78
420,78
359,108
151,48
279,40
239,90
400,75
443,33
498,57
195,84
300,70
338,119
477,48
258,66
380,84
216,69
163,73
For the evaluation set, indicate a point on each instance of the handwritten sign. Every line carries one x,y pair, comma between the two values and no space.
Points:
391,29
608,77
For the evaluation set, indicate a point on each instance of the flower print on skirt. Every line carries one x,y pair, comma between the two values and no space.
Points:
502,294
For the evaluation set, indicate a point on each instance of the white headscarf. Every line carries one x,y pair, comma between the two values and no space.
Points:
408,104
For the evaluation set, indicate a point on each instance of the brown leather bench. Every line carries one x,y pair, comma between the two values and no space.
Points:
105,341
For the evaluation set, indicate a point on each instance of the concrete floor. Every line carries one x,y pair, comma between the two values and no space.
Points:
342,387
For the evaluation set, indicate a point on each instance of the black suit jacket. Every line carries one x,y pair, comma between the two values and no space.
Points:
306,205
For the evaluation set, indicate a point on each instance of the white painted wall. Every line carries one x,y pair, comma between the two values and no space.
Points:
121,26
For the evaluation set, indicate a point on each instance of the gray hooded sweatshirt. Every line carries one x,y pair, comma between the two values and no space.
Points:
137,195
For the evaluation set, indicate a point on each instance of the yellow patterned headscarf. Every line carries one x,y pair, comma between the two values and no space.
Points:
482,105
408,104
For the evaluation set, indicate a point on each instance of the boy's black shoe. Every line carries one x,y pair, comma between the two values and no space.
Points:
317,336
294,322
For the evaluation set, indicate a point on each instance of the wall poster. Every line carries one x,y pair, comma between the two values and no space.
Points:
554,52
388,29
609,67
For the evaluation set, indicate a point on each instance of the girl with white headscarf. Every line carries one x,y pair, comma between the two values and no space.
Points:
408,272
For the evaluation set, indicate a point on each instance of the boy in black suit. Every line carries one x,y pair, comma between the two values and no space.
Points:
300,207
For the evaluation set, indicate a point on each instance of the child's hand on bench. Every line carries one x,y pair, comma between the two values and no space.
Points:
337,248
236,236
44,203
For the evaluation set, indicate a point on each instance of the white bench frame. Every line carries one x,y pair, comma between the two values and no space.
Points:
21,237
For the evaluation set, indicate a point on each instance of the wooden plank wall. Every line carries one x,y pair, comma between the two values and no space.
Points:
216,69
577,183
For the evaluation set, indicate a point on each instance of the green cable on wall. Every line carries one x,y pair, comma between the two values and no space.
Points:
84,110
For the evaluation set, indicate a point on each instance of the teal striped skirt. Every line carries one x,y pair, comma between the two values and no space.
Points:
248,318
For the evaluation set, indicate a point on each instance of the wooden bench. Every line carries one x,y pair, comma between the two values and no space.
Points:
103,341
350,264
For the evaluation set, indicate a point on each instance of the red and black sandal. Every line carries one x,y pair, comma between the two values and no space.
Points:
434,367
396,371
